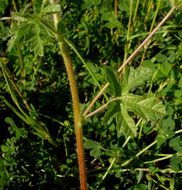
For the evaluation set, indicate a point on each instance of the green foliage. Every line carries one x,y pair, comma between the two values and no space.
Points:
177,3
136,143
135,77
3,5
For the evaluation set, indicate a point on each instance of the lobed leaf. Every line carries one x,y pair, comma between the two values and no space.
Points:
51,8
148,108
127,125
135,77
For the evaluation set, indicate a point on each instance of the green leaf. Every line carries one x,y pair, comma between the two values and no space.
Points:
90,144
111,20
19,132
28,31
176,162
148,108
176,144
180,82
36,42
3,5
172,56
166,131
165,68
161,58
51,8
89,3
18,32
113,109
128,126
37,4
139,187
96,153
135,77
114,86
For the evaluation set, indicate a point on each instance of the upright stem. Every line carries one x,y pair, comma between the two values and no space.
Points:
76,106
116,8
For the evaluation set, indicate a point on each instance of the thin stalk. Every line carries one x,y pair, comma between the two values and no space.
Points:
116,8
151,28
95,99
179,131
159,159
149,7
136,10
132,56
9,79
126,141
109,168
76,107
22,69
12,94
128,41
104,106
139,153
21,116
167,170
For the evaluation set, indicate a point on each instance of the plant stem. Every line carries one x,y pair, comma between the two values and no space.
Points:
151,28
111,165
104,106
95,99
147,39
76,106
116,8
139,153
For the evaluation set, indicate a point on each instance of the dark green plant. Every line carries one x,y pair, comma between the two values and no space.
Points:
132,136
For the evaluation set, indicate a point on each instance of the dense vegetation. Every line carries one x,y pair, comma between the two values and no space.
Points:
132,130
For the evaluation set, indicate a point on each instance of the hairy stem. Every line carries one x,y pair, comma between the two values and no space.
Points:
76,106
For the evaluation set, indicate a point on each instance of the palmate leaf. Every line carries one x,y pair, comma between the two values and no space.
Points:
148,108
135,77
